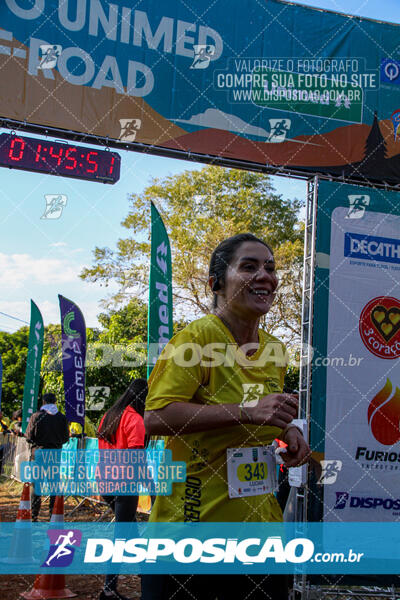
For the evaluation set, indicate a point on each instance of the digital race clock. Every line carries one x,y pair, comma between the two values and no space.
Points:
55,158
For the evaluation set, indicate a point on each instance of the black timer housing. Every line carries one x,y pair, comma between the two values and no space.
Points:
58,158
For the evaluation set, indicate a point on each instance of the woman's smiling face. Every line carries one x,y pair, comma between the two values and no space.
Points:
250,281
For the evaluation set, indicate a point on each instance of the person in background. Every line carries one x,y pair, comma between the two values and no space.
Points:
16,425
4,423
122,427
4,428
75,429
47,429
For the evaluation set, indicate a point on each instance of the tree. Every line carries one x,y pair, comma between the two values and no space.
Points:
14,352
200,209
124,324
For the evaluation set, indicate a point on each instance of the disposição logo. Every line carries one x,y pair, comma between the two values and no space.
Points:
62,547
344,500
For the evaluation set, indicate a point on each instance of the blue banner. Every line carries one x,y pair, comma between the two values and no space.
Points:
258,87
201,548
73,340
107,472
371,247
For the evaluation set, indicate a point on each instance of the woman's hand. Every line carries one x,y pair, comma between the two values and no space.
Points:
298,451
276,410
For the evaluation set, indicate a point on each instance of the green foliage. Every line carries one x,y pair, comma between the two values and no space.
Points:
123,330
14,351
200,209
124,324
292,381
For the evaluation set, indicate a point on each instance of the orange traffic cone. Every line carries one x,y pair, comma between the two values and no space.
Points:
21,545
57,516
51,586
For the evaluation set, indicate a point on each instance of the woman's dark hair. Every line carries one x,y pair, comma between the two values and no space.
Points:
222,256
134,395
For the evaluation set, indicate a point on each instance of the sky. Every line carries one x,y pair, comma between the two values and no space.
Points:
382,10
40,258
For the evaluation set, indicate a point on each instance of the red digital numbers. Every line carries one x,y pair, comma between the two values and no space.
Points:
38,149
55,158
17,146
71,158
56,155
92,162
112,165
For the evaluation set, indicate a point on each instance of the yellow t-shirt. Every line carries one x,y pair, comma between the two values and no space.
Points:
187,376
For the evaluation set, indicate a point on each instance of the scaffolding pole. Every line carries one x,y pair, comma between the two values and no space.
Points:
300,579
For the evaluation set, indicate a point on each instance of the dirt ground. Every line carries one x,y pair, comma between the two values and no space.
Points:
87,587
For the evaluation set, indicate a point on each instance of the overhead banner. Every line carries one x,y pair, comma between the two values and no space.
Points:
33,365
73,340
159,325
356,377
275,84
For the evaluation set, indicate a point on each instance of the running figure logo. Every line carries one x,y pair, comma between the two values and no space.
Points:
55,204
330,471
357,206
252,392
97,397
50,54
61,551
279,129
129,129
342,99
202,55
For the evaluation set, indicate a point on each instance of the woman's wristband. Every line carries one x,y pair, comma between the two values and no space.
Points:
289,426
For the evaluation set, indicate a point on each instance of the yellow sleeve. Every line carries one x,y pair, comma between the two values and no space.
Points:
177,373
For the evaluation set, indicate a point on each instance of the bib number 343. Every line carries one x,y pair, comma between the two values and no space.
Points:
251,471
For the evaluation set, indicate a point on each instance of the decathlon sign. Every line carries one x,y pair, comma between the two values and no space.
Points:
372,247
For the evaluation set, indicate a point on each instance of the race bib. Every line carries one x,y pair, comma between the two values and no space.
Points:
251,471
